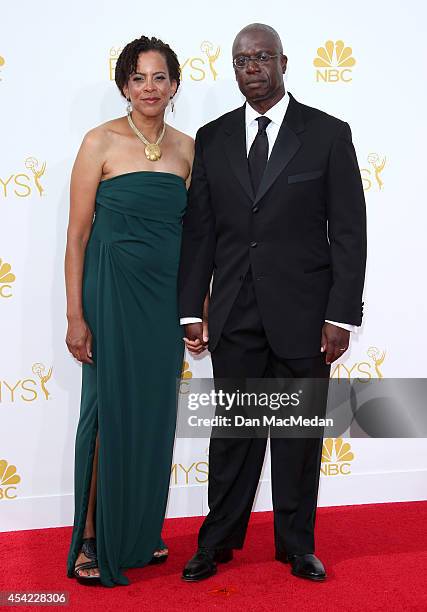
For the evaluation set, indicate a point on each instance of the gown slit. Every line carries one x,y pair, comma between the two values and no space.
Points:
86,484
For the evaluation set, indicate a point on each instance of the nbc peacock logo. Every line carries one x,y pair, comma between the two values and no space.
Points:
334,62
9,478
6,279
186,375
337,457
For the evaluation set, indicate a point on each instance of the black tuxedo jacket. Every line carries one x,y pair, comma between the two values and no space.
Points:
303,233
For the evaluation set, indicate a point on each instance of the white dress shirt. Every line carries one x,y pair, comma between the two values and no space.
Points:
276,114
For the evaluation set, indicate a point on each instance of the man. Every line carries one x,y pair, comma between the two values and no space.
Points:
277,213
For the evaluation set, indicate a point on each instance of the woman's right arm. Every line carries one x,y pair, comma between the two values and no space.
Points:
85,177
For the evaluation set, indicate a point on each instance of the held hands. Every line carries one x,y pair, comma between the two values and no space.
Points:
79,340
196,337
335,341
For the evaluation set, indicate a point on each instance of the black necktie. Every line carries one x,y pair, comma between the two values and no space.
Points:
258,154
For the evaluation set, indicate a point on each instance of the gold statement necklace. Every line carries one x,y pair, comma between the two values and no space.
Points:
152,149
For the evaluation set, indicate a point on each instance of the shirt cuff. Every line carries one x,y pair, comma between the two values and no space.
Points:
347,326
186,320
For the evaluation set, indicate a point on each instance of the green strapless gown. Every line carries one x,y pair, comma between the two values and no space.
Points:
129,395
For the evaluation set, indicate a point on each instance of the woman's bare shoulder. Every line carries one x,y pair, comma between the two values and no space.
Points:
101,135
183,140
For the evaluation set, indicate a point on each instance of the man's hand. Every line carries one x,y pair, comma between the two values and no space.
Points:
196,337
335,341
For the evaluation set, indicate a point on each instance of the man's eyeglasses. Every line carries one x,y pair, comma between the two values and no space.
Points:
241,61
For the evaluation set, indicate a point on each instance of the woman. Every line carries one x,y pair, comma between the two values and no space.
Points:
128,196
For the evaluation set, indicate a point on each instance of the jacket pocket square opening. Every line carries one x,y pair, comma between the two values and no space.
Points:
305,176
317,269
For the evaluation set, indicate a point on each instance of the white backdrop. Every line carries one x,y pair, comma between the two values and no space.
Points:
56,61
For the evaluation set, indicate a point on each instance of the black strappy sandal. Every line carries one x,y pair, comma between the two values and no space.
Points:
159,558
89,550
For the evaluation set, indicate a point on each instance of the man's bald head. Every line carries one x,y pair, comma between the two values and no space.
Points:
253,29
259,65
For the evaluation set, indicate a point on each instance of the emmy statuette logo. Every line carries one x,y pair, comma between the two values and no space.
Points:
6,278
336,457
199,68
371,177
334,62
27,389
39,370
377,357
2,63
362,370
8,480
31,163
208,49
23,184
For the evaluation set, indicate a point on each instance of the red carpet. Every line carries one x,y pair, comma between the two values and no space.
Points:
375,555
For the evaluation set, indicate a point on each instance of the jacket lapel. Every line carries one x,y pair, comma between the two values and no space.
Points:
235,148
286,145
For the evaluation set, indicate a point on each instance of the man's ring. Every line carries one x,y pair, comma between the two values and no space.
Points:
343,349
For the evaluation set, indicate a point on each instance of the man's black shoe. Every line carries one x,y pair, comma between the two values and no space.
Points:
203,564
304,566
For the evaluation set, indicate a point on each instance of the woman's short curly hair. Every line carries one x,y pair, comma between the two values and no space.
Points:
128,59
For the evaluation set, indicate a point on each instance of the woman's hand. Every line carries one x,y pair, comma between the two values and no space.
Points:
197,334
194,340
79,340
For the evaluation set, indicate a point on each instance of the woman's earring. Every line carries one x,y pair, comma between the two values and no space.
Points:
128,106
172,105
